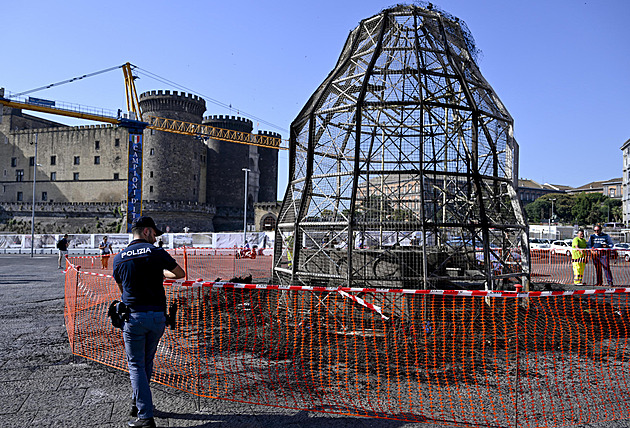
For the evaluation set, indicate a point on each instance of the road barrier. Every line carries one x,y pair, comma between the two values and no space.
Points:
439,356
211,263
549,266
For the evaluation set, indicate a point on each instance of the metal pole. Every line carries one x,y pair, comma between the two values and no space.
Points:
33,212
245,206
550,217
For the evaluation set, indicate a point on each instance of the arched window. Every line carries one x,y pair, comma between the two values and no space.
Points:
268,222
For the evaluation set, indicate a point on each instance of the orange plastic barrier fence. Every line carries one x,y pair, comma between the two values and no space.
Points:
210,263
556,266
445,357
223,264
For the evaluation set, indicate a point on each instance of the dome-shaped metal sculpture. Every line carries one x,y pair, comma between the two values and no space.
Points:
403,166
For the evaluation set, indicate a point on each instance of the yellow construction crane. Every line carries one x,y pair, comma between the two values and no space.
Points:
136,122
133,106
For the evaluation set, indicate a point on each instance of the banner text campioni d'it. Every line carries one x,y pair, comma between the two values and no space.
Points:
134,179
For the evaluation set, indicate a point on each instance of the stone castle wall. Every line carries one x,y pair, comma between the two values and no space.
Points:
77,217
79,164
87,165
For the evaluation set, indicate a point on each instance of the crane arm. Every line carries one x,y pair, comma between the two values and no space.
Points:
196,129
133,106
58,111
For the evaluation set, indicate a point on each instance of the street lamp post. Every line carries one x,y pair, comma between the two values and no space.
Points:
551,215
33,212
608,210
245,206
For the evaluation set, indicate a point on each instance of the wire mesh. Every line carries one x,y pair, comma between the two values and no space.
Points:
402,160
445,357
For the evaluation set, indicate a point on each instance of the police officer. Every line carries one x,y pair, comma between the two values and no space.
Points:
140,270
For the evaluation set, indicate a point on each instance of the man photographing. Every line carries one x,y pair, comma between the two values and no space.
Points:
140,270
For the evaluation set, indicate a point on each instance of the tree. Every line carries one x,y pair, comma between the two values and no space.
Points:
540,210
582,208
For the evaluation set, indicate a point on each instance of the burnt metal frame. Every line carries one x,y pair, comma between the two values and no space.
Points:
407,76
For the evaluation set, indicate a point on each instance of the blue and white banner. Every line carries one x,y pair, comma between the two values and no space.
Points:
134,179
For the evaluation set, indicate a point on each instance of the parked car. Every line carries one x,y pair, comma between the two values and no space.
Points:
622,251
538,244
561,247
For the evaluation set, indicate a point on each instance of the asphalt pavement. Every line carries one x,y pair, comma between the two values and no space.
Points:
43,385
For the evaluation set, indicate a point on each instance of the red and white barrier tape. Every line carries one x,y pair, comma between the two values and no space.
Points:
463,293
362,302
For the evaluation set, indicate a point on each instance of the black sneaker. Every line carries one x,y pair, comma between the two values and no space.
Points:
142,423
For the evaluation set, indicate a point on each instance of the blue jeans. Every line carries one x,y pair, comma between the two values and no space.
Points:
142,334
600,259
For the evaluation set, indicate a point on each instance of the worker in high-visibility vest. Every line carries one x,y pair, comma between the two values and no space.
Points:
579,257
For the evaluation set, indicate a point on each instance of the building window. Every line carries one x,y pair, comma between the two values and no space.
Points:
152,152
53,176
612,192
13,162
150,189
97,160
20,197
116,176
194,177
77,160
76,176
151,174
31,161
44,196
19,175
117,142
97,145
53,160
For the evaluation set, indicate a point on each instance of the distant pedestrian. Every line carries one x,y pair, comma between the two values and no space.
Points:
106,251
62,246
601,245
579,257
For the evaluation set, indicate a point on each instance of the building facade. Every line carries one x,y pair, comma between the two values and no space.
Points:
530,190
187,181
625,182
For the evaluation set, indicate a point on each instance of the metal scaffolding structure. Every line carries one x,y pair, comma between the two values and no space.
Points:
403,166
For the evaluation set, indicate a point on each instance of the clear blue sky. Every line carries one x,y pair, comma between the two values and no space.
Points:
561,67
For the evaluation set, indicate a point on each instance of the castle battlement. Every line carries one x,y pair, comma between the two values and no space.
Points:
227,118
178,207
62,207
270,134
167,101
60,129
174,94
94,126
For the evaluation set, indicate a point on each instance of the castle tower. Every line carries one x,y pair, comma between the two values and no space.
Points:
268,166
226,179
174,165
